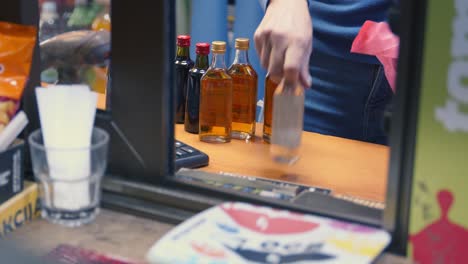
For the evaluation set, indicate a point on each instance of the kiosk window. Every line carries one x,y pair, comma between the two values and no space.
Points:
343,150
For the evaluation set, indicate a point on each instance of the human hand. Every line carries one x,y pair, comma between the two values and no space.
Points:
283,40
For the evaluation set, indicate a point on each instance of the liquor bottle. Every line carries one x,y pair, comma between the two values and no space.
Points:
244,92
192,107
183,64
270,86
216,99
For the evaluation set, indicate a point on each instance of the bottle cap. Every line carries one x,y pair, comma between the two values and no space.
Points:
202,48
183,41
242,43
218,47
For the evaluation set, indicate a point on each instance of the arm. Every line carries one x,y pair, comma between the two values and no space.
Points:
283,40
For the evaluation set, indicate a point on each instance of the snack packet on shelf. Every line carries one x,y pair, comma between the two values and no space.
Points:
16,50
8,109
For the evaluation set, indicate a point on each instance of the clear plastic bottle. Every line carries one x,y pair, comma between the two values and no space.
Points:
288,114
49,23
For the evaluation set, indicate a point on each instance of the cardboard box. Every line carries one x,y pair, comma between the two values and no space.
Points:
20,209
11,170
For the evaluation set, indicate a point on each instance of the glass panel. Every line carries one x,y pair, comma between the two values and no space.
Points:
343,149
75,44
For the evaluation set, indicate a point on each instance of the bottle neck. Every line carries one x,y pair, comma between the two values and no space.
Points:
242,57
183,52
218,61
201,62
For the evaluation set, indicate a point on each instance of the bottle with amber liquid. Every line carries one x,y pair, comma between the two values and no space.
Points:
244,92
183,64
270,86
192,107
216,99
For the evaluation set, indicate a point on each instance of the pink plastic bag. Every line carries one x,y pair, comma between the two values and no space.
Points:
378,40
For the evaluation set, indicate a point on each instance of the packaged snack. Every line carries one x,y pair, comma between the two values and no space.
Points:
8,109
16,50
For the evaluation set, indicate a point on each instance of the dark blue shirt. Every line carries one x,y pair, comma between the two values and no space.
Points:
337,22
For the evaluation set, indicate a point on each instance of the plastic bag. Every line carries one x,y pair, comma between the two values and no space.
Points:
378,40
16,50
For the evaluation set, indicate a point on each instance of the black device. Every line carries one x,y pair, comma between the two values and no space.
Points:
11,170
141,116
189,157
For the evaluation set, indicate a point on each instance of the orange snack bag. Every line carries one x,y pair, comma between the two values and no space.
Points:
16,50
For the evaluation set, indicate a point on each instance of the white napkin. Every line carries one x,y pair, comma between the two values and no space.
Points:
67,118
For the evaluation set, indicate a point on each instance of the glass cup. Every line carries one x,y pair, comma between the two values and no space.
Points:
70,178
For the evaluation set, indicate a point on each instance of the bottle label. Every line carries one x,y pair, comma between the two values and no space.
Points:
243,101
215,104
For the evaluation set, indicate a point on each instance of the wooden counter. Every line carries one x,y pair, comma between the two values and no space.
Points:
347,167
112,233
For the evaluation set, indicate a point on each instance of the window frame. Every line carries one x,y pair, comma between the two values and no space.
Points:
154,192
